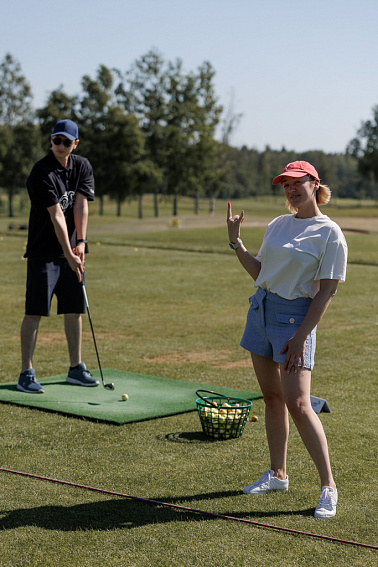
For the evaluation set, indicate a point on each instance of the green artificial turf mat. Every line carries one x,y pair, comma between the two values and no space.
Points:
149,397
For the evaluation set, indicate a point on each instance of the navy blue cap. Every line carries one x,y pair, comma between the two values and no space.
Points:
66,128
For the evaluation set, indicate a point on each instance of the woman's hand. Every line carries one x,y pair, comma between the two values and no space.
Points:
296,345
295,348
233,224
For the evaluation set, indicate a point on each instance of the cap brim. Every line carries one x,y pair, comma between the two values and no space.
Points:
64,134
290,173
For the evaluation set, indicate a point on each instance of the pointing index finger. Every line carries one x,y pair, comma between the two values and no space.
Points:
229,213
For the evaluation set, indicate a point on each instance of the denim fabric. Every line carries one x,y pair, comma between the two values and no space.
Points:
273,320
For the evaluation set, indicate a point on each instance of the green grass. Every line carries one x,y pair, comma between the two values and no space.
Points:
173,303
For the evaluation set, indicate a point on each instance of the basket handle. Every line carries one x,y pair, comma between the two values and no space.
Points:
209,392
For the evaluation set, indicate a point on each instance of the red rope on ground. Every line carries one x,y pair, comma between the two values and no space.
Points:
193,510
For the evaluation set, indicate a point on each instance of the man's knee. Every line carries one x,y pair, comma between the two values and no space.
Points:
31,319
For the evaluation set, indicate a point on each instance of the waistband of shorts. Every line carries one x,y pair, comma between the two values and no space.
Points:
273,297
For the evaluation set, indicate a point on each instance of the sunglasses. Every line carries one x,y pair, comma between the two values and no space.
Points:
66,143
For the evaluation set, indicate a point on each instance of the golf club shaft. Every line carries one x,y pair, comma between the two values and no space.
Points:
93,335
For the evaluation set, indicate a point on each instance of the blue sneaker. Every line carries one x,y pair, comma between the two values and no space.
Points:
27,382
80,376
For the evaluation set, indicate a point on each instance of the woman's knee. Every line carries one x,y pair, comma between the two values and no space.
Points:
298,408
274,400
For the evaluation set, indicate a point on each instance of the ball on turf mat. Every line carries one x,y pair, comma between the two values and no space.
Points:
125,397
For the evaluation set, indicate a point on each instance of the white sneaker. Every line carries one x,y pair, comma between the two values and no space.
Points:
267,483
327,505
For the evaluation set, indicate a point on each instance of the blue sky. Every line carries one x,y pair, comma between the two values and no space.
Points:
303,74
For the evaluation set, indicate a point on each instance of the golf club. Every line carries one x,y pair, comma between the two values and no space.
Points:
107,386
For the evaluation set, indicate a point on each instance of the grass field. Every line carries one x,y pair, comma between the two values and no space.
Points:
173,303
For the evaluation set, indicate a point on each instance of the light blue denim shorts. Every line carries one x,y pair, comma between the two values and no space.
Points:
273,320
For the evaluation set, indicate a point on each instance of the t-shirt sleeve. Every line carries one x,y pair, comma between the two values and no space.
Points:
42,191
333,262
86,184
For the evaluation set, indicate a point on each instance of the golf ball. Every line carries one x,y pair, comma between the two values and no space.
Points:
125,397
254,418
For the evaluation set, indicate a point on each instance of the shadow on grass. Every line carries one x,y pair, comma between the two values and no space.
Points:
186,437
116,514
192,437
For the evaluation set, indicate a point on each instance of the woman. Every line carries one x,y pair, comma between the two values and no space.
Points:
301,261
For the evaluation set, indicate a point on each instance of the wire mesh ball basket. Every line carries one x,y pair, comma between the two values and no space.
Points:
222,417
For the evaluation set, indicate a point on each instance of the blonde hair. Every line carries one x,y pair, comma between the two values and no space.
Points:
323,195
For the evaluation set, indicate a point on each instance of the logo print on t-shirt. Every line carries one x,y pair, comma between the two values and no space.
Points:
67,200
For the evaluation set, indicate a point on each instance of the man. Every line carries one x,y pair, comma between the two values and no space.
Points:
59,186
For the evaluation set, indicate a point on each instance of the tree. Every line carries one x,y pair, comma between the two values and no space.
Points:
219,166
177,111
123,150
19,137
230,121
209,169
5,143
19,159
15,93
365,148
192,116
111,137
143,93
93,111
148,177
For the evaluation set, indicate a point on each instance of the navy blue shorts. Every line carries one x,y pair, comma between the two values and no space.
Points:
272,321
46,277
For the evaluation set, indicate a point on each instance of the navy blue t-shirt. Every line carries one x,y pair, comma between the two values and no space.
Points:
48,184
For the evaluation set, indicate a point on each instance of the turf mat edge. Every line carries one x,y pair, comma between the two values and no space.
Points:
150,397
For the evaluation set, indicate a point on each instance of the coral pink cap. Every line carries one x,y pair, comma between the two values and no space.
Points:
297,169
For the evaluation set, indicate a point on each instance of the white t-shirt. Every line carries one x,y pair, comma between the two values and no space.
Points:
297,253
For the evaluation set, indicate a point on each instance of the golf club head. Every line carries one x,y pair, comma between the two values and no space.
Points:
109,386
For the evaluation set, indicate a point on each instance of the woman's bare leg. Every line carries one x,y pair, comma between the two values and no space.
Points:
296,391
276,415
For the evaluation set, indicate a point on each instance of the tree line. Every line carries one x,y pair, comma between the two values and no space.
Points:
152,129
